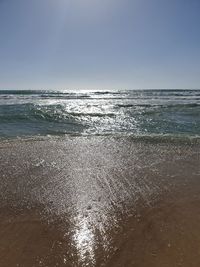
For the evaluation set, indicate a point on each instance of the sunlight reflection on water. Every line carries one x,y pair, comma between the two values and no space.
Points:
84,240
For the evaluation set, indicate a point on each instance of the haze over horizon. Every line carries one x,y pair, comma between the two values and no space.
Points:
85,44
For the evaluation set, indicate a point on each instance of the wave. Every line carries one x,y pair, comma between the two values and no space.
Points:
148,138
25,92
130,113
168,138
151,92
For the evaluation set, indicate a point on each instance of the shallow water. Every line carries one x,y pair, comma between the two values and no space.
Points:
99,201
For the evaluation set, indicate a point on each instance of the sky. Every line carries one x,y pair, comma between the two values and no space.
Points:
99,44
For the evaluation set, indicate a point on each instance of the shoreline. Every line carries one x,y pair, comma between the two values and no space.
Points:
164,234
100,201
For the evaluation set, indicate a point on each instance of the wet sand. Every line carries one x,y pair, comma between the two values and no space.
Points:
99,202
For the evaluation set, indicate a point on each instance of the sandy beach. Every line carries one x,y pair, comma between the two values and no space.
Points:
99,201
99,133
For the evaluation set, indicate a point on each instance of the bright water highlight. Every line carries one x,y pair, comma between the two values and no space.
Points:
134,112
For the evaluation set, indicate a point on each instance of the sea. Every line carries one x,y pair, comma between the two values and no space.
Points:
100,178
137,113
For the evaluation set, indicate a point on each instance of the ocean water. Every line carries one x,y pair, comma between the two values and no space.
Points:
97,198
137,113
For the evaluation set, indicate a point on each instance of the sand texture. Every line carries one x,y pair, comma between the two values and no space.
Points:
99,201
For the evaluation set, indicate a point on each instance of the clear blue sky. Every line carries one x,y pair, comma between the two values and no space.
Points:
100,44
